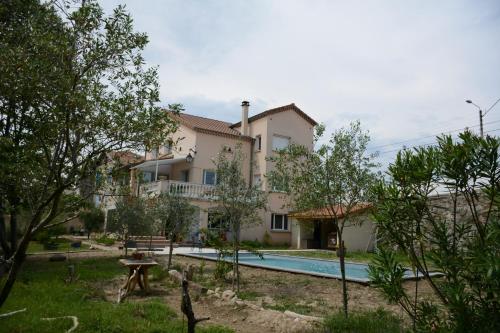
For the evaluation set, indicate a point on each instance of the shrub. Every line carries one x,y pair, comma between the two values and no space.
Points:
378,321
105,240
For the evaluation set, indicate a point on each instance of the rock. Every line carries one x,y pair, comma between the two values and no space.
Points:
57,257
303,317
227,294
268,300
240,303
210,292
217,290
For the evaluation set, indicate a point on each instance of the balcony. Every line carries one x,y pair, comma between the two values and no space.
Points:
184,189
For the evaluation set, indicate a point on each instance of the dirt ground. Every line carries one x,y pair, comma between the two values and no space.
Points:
271,290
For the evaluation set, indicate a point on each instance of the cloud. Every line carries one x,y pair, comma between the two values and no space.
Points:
403,69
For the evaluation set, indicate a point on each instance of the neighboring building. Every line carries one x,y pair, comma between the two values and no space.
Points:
185,163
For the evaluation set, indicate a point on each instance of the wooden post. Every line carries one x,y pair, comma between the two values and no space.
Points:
187,308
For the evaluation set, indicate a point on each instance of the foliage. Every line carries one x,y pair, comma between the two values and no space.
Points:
456,231
130,218
223,250
93,219
174,215
336,176
239,203
42,290
378,321
74,86
105,240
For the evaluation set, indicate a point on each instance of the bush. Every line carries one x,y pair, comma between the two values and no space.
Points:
255,244
378,321
105,240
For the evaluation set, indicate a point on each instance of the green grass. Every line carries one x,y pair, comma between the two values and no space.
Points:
41,289
63,245
378,321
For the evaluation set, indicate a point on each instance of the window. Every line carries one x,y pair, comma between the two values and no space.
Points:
154,153
147,177
216,221
167,148
279,222
280,142
257,180
258,143
185,175
209,177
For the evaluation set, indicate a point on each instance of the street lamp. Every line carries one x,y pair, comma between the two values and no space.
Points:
481,115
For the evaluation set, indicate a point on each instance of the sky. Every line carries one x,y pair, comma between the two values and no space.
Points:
402,68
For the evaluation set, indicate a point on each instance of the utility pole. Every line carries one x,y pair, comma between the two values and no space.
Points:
481,115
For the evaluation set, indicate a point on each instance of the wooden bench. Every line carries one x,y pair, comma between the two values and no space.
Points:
149,243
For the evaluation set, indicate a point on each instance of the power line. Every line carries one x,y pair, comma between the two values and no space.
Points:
430,136
428,144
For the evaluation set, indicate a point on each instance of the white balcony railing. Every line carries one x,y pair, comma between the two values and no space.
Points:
188,190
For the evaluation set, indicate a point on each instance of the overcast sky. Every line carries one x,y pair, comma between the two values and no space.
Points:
403,68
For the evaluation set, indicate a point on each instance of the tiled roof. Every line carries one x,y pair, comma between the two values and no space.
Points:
269,112
325,213
209,126
125,157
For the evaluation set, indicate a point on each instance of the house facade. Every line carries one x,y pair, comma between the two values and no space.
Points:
185,163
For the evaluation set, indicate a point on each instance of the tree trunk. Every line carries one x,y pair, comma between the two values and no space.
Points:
17,261
237,259
187,308
342,271
3,233
170,251
13,229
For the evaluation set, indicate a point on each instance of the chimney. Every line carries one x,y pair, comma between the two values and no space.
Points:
244,117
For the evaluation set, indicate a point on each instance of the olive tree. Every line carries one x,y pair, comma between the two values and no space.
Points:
440,207
335,176
73,87
174,215
239,202
93,219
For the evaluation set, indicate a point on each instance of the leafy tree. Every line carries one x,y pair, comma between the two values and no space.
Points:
441,208
130,218
175,216
335,176
238,202
73,87
93,219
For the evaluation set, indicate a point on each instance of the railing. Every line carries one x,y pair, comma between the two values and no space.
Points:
188,190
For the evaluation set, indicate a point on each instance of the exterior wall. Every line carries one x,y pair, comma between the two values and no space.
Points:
207,148
288,124
360,237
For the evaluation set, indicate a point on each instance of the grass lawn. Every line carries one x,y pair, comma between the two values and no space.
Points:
41,289
63,245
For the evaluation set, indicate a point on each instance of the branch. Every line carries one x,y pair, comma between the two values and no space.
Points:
58,223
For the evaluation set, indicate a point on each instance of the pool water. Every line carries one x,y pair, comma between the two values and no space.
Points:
319,267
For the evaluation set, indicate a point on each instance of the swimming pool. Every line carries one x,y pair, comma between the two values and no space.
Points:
355,272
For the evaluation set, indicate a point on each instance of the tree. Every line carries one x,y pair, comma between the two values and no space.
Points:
335,176
74,86
239,203
129,218
175,216
93,219
441,208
